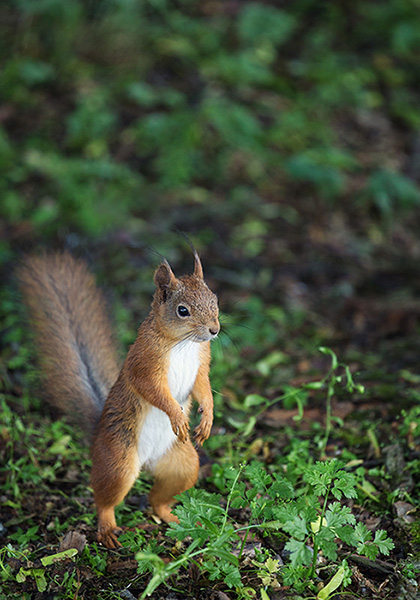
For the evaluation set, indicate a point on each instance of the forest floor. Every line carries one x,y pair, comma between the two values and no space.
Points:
335,290
283,139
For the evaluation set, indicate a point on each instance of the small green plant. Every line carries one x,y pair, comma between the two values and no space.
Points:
410,568
391,192
28,568
95,559
24,537
338,377
315,524
339,374
213,534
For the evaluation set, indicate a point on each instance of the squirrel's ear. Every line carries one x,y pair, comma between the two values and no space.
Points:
198,269
164,278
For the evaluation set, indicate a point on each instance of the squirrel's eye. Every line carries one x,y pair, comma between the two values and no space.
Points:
183,311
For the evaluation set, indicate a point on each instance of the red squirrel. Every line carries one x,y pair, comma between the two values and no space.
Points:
137,417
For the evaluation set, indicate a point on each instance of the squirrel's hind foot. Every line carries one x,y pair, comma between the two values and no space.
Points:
110,538
163,511
108,531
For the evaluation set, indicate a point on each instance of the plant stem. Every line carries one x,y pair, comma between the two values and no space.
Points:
243,545
229,498
321,524
328,421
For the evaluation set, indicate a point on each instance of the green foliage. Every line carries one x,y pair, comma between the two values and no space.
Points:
309,518
38,573
299,503
341,577
392,193
202,519
260,23
56,441
188,101
313,523
338,375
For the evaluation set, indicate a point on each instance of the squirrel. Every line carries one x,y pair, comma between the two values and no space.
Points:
136,416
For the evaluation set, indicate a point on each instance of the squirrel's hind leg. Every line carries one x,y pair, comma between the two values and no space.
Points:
113,474
176,472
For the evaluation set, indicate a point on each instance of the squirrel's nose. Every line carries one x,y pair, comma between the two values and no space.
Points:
214,330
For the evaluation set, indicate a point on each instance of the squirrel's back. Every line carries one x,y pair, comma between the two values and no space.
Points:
73,337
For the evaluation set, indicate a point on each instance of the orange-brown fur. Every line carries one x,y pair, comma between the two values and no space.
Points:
60,292
68,313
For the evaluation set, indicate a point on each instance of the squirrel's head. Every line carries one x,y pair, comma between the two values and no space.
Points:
187,308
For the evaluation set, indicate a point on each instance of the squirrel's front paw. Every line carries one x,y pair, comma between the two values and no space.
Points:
202,431
180,426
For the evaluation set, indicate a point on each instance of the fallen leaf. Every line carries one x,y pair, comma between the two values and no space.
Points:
403,510
73,539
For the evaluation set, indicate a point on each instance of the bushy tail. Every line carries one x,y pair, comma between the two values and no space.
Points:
73,336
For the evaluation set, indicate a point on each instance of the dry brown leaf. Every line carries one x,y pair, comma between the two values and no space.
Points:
73,539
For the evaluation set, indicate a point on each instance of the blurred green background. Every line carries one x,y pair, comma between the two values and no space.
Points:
283,137
136,114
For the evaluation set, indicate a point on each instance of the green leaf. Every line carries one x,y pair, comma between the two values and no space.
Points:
142,93
252,421
232,576
314,385
300,554
21,575
259,478
281,488
275,525
383,542
41,582
222,553
332,585
337,515
346,484
267,364
328,179
296,527
49,560
236,124
328,546
254,400
294,396
35,72
330,475
366,546
61,445
347,535
149,557
392,191
272,565
369,550
260,22
362,533
321,475
37,574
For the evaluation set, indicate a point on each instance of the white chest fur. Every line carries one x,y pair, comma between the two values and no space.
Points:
183,367
156,436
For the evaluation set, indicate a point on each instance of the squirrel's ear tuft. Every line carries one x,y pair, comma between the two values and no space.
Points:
198,269
164,278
